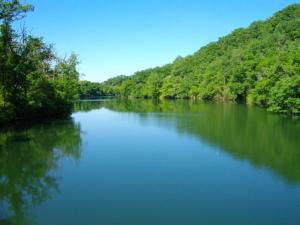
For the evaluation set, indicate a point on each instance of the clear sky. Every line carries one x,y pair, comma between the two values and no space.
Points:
114,37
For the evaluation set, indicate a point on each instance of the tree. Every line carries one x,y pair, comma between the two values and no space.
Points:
34,82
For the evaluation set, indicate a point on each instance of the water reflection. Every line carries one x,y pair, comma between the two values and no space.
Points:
28,155
246,133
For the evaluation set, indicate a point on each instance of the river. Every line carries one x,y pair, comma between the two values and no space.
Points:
144,162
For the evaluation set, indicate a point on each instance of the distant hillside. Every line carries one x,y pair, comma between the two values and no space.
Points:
259,65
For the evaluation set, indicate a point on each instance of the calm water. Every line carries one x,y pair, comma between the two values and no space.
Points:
152,163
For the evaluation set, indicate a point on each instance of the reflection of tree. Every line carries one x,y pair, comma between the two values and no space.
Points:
85,106
252,134
27,157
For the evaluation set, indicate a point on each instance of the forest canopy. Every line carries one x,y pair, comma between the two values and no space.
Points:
258,65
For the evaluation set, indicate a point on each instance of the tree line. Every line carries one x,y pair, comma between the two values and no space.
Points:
93,90
258,65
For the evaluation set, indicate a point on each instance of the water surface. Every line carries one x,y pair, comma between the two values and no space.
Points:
146,162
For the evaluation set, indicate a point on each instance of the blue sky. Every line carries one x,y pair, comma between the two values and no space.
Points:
114,37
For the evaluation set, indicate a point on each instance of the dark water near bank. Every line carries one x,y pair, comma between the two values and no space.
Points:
153,163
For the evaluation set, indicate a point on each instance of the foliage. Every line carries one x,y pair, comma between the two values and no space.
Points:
34,82
259,65
93,90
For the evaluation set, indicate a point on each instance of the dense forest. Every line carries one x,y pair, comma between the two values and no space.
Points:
258,65
34,82
93,90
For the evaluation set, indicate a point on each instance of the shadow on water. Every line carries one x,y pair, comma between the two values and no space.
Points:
246,133
28,156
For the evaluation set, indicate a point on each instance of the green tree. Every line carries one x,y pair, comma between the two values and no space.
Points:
34,82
